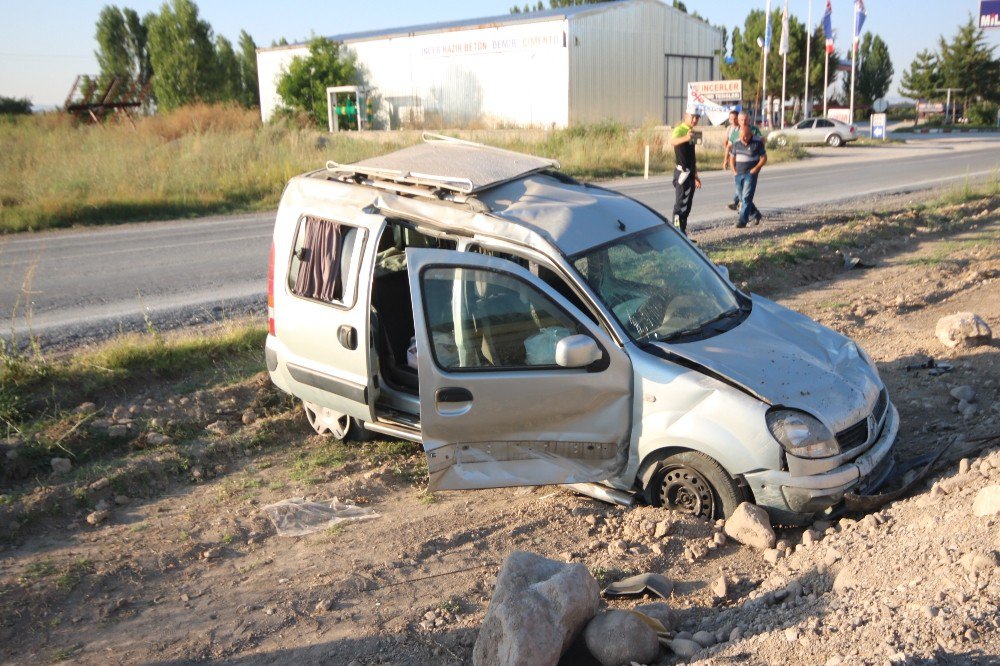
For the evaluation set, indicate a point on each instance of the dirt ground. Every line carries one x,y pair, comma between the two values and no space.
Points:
185,567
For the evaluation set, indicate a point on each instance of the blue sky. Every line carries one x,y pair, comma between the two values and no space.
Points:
44,44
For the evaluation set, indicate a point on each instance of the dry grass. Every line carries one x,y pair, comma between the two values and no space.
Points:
205,159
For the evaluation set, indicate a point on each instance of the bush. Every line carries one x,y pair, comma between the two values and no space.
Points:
982,113
13,106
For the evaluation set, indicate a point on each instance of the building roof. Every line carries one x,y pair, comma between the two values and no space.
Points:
463,24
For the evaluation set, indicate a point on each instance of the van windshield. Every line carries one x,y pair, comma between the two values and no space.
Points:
659,288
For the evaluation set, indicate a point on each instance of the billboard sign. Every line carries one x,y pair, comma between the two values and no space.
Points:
930,107
878,126
989,14
843,115
715,98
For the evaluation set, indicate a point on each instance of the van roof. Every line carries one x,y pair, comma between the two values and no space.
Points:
450,164
518,191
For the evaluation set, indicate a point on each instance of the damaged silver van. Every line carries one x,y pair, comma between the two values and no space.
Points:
529,329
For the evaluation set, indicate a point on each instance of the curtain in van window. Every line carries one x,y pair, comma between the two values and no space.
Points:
319,270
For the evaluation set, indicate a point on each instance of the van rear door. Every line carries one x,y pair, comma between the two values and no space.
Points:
500,404
325,333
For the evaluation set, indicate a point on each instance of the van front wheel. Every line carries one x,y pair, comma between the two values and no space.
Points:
693,483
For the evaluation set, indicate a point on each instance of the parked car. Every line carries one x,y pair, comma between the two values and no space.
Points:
529,329
816,130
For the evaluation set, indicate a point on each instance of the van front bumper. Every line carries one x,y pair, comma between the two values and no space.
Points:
794,500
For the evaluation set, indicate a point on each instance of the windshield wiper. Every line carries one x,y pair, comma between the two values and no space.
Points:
728,314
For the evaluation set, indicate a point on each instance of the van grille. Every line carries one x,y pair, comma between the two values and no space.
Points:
857,434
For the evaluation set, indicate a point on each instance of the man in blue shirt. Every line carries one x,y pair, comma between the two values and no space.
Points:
749,155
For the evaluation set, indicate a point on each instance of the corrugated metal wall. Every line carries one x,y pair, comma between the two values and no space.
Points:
631,62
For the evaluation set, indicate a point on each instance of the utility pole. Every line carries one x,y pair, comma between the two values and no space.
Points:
947,105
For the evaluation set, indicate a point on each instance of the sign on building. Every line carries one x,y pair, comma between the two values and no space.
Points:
878,126
989,14
715,98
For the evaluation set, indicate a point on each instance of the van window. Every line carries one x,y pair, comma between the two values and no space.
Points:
323,255
500,323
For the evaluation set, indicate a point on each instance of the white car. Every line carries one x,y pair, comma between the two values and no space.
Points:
816,130
529,329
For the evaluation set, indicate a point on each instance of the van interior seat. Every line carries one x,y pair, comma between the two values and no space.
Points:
392,305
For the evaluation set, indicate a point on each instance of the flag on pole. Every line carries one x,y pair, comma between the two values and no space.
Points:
828,27
783,45
767,29
859,20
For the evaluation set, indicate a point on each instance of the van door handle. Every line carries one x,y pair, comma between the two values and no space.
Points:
348,336
453,394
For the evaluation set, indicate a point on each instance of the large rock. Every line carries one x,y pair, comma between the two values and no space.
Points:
987,501
965,329
751,526
538,608
619,637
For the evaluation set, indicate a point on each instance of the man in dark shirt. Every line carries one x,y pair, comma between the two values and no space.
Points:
749,155
686,174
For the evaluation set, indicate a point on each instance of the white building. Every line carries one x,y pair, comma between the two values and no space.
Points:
627,61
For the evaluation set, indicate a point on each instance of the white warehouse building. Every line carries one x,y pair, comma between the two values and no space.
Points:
629,61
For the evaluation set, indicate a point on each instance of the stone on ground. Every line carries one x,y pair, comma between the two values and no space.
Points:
751,526
619,637
964,329
987,501
538,607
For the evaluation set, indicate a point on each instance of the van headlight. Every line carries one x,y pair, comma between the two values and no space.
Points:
802,435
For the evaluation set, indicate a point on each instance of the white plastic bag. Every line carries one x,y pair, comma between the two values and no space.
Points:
298,517
540,349
411,353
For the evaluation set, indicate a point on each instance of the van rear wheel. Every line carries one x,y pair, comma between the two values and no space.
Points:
693,483
340,426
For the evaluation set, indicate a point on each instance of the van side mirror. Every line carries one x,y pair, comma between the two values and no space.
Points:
577,351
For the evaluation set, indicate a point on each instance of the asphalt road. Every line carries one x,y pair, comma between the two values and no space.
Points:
70,286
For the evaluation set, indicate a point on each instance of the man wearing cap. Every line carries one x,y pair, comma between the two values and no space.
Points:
686,174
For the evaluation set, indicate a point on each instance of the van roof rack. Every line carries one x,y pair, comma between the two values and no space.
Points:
446,163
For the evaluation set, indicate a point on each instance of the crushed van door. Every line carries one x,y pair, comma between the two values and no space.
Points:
517,386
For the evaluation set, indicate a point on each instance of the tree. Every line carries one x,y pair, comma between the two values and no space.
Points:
228,85
246,56
121,45
968,63
182,55
923,79
302,86
747,57
874,71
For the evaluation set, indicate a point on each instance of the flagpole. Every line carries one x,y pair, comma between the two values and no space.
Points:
767,52
854,50
808,111
826,81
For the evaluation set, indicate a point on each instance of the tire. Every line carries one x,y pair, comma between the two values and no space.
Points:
693,483
328,422
781,141
834,141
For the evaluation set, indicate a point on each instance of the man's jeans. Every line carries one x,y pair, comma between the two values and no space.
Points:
746,185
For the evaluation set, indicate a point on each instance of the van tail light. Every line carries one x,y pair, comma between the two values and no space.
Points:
270,292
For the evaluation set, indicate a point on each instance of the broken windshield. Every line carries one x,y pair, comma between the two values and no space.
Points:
659,288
